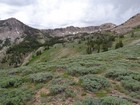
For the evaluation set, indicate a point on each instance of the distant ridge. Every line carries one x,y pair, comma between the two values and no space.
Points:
74,30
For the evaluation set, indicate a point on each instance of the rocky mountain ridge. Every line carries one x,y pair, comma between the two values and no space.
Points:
128,25
75,30
13,28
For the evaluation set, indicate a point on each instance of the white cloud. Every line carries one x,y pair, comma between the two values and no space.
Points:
57,13
62,13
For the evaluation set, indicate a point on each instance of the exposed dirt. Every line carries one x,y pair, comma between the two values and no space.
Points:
137,42
38,97
116,93
26,60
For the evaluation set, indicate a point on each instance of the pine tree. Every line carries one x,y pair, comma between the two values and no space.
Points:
104,47
119,44
89,50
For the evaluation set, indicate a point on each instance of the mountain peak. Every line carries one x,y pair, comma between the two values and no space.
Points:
11,28
13,21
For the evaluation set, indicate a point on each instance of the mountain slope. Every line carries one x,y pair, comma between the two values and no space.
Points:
85,78
17,41
128,25
13,28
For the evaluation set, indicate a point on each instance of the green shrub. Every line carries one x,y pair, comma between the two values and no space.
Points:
57,89
94,83
11,82
119,44
118,74
88,101
41,77
129,80
131,85
135,95
59,85
123,75
69,93
113,101
62,81
103,101
80,71
15,96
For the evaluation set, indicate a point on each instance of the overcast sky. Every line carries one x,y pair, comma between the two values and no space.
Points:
62,13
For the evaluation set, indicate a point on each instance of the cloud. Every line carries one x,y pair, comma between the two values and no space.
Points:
62,13
17,2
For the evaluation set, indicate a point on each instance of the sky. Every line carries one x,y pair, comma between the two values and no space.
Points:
50,14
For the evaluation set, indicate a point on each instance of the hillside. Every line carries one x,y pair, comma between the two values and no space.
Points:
64,74
128,25
96,78
17,40
79,46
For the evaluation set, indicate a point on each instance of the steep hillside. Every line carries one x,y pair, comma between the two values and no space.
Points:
17,40
14,29
128,25
79,45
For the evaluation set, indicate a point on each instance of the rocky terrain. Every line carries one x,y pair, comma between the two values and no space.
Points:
76,30
13,29
128,25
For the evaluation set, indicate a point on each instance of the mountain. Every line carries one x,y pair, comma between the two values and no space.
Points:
12,28
128,25
17,40
75,30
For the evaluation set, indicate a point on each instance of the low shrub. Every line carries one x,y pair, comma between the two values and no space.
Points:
88,101
57,89
113,101
41,77
69,93
131,85
135,95
11,82
117,74
15,97
80,71
62,81
94,83
103,101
